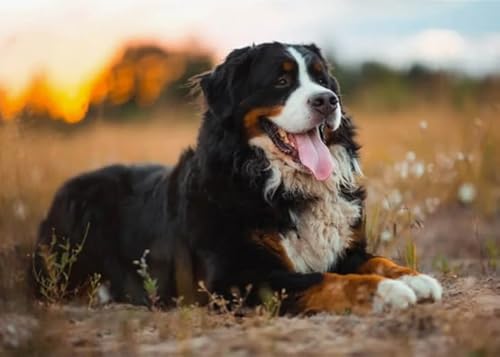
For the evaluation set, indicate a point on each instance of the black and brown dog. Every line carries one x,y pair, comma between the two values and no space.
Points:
268,198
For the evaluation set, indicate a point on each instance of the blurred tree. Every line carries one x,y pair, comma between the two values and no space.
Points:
383,88
38,102
488,90
143,76
348,78
146,76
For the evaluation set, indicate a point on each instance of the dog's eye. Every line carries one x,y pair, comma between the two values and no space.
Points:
322,81
282,82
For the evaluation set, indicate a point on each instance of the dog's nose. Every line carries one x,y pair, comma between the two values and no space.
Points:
325,102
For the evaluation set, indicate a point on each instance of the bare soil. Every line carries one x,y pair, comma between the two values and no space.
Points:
466,322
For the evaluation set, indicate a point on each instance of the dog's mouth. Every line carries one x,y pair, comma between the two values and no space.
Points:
307,149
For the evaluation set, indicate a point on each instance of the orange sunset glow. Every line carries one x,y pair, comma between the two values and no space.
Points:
42,97
61,58
138,70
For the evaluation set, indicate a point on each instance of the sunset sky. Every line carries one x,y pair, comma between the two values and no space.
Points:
70,40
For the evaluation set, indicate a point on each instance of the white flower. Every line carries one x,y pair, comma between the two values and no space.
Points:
460,156
466,193
431,204
418,169
20,210
402,211
386,235
410,156
417,212
394,198
402,169
423,124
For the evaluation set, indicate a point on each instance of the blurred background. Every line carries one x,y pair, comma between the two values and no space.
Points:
84,60
85,83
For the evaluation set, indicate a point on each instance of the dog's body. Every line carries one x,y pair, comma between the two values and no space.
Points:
268,198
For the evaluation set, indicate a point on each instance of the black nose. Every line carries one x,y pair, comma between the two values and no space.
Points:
325,103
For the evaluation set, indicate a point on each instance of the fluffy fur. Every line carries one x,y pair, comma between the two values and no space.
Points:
237,210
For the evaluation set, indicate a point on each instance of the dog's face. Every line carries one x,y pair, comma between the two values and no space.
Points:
280,98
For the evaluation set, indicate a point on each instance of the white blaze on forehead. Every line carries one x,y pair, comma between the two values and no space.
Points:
305,81
296,114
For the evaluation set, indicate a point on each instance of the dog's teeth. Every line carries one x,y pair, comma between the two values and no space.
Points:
284,136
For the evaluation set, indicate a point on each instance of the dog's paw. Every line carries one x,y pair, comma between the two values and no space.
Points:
424,286
393,294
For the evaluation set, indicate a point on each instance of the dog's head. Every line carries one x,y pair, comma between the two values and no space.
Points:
280,98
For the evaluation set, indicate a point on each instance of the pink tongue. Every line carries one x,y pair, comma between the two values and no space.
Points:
314,154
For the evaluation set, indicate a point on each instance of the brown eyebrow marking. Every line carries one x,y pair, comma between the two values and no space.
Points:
317,66
288,66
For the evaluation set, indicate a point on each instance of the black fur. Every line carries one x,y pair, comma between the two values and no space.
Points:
197,218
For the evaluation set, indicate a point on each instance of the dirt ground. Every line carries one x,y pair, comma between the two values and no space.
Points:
466,322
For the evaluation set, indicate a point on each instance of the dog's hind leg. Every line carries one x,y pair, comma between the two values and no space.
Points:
125,284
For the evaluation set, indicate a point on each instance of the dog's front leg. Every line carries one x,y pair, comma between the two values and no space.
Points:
355,293
424,286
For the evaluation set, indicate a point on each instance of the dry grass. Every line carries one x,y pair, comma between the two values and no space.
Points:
33,163
421,163
416,164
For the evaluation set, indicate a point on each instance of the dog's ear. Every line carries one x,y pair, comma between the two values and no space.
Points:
222,87
315,49
333,84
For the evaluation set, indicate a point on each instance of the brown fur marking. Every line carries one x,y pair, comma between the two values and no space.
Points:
288,66
318,66
272,242
251,119
328,136
385,267
358,231
341,293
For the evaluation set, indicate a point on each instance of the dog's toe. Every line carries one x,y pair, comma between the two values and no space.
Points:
393,294
424,286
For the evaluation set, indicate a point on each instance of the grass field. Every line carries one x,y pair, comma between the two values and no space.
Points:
434,202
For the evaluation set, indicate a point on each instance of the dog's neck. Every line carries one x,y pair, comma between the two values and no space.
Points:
323,228
294,181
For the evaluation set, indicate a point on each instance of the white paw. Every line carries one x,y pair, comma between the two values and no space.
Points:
393,294
424,286
103,294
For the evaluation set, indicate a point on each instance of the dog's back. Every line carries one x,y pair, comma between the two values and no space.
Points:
109,213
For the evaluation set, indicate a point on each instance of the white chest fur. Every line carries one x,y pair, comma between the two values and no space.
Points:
324,227
323,233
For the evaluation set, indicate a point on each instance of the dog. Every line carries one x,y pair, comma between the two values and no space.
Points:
267,201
